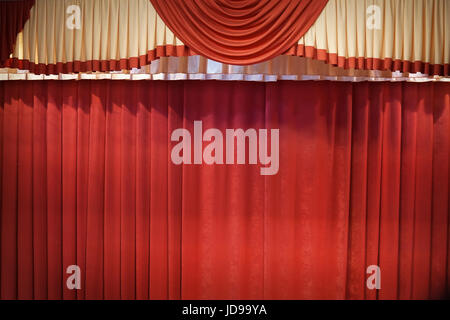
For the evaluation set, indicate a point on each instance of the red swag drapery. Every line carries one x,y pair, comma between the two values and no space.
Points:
239,32
86,179
13,15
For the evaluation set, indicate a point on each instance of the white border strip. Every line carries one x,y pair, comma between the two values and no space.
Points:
217,76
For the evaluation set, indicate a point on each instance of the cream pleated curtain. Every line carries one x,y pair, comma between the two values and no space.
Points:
113,35
404,35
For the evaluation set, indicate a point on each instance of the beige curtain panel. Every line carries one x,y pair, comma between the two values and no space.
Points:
396,35
70,36
65,36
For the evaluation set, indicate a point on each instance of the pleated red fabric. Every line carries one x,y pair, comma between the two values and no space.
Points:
87,179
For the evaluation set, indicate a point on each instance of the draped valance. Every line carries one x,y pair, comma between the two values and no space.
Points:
239,32
393,35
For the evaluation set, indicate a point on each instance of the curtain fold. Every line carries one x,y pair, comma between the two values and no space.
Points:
13,16
240,33
87,179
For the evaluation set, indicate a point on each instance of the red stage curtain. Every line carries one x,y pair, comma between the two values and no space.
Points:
86,179
239,32
13,15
